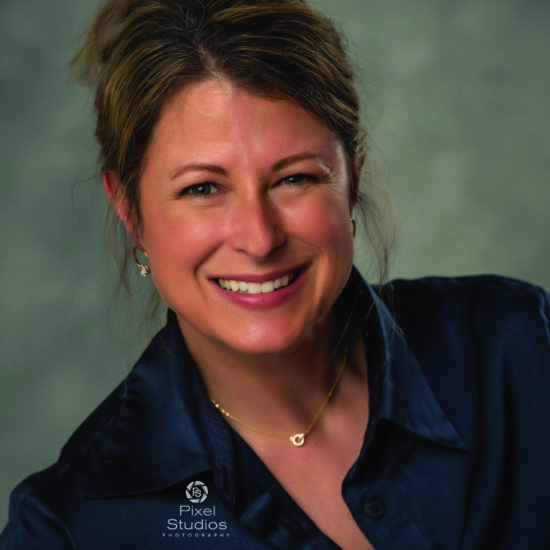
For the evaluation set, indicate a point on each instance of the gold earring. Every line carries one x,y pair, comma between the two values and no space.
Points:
144,270
354,227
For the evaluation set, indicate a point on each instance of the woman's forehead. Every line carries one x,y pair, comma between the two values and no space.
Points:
215,119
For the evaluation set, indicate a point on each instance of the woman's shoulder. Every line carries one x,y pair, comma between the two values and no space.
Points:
478,331
485,338
116,454
487,284
79,443
33,510
481,301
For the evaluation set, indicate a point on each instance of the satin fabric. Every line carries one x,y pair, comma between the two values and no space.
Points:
455,455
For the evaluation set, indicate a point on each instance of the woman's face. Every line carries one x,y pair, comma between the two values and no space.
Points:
246,218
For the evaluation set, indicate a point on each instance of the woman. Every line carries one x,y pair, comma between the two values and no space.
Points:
284,404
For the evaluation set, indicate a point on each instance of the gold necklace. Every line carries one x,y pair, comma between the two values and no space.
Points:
298,439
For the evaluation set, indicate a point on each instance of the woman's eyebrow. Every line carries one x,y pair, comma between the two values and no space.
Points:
295,158
308,155
195,167
279,165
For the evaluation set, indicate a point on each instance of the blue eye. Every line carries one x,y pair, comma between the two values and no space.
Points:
297,179
200,189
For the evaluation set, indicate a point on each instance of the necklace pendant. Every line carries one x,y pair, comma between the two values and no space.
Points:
298,439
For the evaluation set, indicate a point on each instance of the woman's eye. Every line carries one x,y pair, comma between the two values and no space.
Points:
297,179
200,189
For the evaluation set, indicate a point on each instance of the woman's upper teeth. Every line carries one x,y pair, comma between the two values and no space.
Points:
255,288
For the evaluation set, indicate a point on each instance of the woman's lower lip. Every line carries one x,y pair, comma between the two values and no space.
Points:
268,300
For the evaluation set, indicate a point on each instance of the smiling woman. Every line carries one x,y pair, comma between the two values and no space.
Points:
232,215
287,403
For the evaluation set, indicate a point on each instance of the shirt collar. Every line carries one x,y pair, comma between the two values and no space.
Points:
399,391
168,431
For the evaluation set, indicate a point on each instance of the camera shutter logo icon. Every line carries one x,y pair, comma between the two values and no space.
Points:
196,492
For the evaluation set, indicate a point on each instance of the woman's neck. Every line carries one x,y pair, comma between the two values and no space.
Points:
277,392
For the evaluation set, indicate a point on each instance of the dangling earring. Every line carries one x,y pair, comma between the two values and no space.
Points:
354,227
144,270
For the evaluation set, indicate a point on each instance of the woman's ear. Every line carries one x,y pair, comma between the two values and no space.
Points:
118,200
359,167
358,170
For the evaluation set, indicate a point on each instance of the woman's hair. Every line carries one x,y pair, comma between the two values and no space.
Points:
139,52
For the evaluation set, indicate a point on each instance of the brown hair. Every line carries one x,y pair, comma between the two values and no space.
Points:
138,52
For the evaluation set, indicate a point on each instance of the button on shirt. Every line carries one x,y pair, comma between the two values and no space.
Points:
456,454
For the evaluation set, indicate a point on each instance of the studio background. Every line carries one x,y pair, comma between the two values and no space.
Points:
457,108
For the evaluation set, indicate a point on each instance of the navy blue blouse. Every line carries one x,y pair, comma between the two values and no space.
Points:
456,454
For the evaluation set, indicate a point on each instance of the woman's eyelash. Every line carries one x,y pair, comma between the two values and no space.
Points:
296,179
199,189
206,188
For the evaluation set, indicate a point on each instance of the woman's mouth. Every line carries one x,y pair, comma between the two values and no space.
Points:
266,287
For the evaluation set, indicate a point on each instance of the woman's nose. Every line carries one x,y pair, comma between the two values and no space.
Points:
255,227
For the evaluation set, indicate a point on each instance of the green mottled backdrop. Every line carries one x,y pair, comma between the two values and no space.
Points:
457,107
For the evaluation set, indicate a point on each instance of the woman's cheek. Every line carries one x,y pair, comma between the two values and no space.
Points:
182,245
325,221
